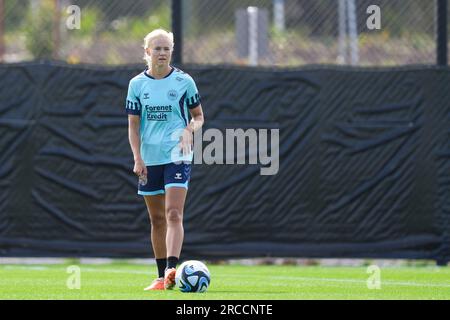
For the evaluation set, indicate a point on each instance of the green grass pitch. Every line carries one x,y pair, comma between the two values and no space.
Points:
121,280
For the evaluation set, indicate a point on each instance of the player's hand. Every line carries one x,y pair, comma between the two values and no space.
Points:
186,142
139,167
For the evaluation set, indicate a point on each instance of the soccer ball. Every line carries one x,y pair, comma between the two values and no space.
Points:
192,276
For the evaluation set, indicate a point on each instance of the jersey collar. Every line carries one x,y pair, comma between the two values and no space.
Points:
145,72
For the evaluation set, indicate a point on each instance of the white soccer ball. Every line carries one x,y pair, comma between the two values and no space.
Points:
192,276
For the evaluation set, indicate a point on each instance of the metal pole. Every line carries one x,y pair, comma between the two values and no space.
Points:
177,29
441,33
252,35
353,32
278,14
342,8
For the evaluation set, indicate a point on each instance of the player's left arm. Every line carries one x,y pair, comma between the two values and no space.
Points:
195,124
197,118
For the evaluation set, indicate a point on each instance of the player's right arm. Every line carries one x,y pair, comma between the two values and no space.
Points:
134,123
133,108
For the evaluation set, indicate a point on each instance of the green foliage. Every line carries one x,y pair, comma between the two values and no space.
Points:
13,15
115,9
139,27
89,23
38,30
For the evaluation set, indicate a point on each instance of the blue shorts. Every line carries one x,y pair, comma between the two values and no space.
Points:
164,176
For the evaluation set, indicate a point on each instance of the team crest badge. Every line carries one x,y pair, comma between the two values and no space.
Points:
172,95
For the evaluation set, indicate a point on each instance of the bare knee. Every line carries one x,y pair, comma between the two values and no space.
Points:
174,215
158,221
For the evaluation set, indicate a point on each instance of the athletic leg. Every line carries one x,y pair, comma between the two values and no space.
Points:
156,210
153,192
175,199
176,180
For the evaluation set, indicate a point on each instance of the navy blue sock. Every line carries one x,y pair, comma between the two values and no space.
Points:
172,262
161,263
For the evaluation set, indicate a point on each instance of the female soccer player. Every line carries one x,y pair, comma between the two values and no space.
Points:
161,138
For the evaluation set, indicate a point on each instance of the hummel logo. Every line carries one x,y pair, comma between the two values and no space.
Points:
146,96
178,176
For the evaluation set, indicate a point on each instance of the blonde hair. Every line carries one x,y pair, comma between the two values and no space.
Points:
152,36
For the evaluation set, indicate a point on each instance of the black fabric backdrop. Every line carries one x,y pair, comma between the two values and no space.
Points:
364,164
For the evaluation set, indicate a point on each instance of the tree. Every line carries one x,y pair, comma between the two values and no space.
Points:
38,30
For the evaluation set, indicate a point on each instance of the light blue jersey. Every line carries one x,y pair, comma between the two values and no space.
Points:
163,107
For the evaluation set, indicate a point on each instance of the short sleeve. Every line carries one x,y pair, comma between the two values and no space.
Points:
193,97
133,104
